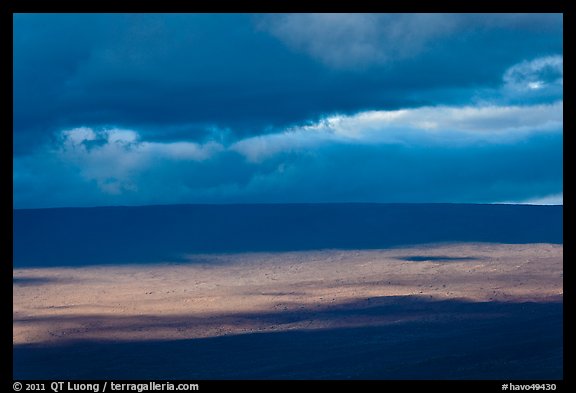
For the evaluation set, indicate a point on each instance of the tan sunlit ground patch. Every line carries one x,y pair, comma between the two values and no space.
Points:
229,294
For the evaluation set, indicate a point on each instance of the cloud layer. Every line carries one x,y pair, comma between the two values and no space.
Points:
147,109
360,40
429,154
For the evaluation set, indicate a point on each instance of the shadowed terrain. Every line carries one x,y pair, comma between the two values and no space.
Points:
384,303
446,340
81,236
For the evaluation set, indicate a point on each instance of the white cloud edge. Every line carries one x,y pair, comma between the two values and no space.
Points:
531,74
547,200
438,125
425,125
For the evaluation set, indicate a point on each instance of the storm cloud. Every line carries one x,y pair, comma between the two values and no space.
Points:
153,108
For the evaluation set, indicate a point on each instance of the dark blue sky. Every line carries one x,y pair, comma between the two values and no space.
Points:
123,109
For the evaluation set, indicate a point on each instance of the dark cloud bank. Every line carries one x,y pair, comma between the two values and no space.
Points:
150,108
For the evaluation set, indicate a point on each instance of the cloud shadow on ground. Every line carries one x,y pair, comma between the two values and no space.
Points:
151,234
436,258
416,338
26,281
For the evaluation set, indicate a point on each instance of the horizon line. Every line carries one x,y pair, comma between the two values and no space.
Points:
290,204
